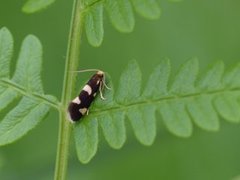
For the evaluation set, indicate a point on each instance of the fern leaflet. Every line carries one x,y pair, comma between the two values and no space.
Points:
32,6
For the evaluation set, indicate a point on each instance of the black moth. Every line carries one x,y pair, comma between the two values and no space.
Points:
79,106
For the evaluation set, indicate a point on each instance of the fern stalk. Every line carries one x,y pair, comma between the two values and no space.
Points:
72,60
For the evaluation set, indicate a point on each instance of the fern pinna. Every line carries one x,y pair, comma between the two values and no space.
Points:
187,97
190,97
25,86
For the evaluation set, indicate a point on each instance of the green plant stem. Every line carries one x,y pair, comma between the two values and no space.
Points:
72,61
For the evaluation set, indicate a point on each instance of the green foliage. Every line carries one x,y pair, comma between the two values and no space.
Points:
120,13
32,6
175,0
86,137
24,89
147,8
189,97
94,25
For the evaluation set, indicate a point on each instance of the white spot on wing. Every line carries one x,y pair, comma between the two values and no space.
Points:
88,89
77,100
83,111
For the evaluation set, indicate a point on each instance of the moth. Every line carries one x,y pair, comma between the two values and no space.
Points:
79,106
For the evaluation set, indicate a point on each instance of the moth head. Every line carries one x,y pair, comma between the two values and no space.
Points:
100,73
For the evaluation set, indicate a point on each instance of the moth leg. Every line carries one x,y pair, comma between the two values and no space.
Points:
104,83
100,90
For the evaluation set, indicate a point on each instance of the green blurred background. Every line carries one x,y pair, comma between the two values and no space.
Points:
205,29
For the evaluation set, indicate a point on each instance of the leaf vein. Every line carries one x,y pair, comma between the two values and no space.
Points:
40,97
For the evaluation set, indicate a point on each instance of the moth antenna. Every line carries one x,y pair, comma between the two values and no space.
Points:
87,70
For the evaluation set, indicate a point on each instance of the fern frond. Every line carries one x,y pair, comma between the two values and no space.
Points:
190,97
25,84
